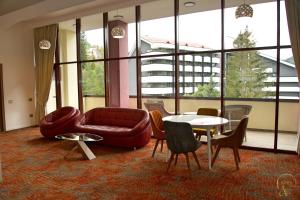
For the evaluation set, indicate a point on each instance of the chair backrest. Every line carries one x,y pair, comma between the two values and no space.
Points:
157,123
155,101
180,137
239,133
157,106
208,111
237,112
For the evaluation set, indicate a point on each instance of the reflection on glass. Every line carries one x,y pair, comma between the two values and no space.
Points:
125,19
262,25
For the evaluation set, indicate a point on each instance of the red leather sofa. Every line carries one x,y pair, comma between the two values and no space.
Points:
121,127
59,121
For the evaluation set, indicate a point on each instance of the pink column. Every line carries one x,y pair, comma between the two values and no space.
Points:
118,69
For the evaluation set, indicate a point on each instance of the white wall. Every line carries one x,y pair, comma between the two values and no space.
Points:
16,55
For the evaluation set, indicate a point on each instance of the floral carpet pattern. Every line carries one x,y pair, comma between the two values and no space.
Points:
34,168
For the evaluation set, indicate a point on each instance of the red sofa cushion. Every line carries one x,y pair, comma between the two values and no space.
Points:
121,117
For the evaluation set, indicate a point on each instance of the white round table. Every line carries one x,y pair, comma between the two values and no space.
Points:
200,121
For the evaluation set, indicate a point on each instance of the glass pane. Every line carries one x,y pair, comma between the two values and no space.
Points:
69,85
261,27
284,31
93,85
157,27
199,78
67,41
51,103
288,110
289,86
201,36
158,81
124,19
251,75
91,37
260,129
132,83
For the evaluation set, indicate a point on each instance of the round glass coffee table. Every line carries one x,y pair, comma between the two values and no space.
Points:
80,139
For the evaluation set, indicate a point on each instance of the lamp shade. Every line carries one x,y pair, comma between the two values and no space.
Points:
44,44
118,32
244,10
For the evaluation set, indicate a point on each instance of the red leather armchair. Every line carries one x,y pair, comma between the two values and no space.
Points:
121,127
59,121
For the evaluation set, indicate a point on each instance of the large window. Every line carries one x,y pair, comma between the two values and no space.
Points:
188,55
69,85
67,41
92,48
157,27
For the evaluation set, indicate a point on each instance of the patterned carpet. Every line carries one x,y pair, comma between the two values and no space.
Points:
35,168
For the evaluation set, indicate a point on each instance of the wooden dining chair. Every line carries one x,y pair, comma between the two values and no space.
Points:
181,140
231,139
205,111
157,129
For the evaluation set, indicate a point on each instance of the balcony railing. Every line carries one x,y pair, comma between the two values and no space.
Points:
261,117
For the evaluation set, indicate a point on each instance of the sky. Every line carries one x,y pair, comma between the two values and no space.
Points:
205,28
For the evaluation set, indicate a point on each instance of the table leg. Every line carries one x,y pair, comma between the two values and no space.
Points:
208,147
85,150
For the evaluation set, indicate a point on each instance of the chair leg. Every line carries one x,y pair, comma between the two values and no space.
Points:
197,161
162,144
188,162
238,155
176,157
216,155
236,159
170,161
157,141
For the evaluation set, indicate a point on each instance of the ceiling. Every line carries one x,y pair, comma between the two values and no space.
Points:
16,11
53,11
7,6
163,8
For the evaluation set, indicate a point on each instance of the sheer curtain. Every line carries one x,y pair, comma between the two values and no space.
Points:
293,18
44,60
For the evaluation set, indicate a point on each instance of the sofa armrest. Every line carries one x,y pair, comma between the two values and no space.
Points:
142,124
